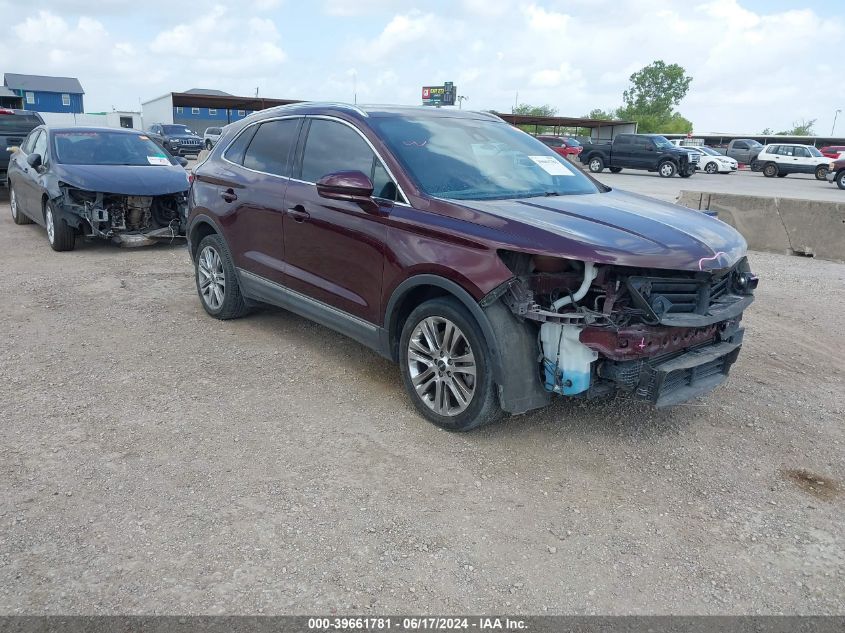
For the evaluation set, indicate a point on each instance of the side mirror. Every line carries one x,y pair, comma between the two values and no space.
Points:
34,160
353,186
181,160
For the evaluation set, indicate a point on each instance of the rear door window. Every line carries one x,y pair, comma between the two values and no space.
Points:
801,152
271,147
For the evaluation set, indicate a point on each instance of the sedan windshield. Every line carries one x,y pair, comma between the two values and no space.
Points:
468,159
177,129
709,151
106,148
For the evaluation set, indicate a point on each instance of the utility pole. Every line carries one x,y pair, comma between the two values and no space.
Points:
355,87
515,102
461,99
835,116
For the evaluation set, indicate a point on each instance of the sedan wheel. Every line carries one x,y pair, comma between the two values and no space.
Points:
212,278
711,168
59,234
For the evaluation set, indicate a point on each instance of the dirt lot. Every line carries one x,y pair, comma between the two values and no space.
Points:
153,460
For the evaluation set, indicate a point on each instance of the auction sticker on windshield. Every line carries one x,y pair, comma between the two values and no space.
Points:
157,160
551,165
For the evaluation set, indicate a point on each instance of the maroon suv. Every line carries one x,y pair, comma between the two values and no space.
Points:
492,270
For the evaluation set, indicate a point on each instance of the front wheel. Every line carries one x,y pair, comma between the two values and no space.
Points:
217,282
840,179
446,366
667,169
59,234
711,168
821,172
596,164
770,170
17,215
615,170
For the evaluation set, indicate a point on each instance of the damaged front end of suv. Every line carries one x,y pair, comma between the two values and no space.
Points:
128,220
663,336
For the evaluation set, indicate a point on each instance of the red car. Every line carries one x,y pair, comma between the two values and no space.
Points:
832,151
562,145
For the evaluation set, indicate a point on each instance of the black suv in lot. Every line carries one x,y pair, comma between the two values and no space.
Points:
177,139
14,126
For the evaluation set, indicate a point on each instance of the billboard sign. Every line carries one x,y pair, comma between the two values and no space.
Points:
439,95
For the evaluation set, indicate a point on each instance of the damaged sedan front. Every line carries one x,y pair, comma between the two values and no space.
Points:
98,183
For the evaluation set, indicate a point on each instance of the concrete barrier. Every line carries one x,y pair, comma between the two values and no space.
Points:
778,225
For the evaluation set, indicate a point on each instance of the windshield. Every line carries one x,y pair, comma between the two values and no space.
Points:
754,144
177,129
661,142
18,123
709,151
572,142
814,151
106,148
467,159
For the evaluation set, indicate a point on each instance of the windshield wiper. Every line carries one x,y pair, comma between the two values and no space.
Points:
549,194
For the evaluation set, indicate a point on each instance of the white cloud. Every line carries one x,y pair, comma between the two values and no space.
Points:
403,31
540,19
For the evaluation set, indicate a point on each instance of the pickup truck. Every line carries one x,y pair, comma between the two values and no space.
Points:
743,150
651,152
14,126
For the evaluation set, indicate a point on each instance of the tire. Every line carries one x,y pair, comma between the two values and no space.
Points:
60,236
595,164
840,179
770,170
615,170
667,169
14,207
221,295
208,145
821,172
711,168
439,385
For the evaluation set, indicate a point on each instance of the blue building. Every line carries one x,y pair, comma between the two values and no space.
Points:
46,94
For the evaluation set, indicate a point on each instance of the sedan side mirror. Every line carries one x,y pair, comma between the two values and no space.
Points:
353,186
34,160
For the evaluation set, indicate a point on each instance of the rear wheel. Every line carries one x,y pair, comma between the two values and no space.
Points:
446,366
59,234
596,164
667,169
770,170
217,282
821,172
615,170
17,214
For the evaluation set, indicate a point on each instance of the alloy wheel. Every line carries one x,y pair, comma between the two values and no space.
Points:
212,278
667,169
51,225
442,366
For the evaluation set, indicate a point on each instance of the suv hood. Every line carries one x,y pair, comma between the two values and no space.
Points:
615,227
129,180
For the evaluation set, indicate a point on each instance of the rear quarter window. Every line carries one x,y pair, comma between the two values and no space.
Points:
236,150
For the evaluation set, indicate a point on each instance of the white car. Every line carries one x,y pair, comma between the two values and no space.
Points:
712,161
782,159
211,136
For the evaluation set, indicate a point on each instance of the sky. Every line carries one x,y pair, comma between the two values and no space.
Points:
754,63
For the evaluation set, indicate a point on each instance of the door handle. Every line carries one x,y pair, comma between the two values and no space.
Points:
229,195
298,213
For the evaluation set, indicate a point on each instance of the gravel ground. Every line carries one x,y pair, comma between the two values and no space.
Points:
154,460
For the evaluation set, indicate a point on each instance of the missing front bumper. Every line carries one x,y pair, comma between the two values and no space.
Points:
675,378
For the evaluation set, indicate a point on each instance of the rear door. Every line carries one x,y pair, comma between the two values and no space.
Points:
804,163
252,195
334,249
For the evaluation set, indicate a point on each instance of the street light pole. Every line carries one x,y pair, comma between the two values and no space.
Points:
461,99
835,115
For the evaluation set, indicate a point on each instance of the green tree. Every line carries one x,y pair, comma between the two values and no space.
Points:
802,128
651,99
599,114
530,110
767,131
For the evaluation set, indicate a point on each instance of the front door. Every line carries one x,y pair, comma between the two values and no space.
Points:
27,189
334,250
